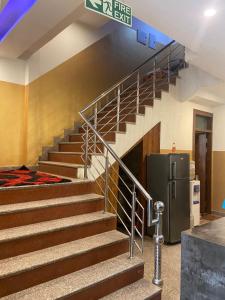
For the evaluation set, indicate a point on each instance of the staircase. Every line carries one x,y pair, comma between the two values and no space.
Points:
61,241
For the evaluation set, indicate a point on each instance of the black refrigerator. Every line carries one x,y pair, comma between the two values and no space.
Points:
168,180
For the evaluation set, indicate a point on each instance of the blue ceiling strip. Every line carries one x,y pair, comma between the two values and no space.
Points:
12,13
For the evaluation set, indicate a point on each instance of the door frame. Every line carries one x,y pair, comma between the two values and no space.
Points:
209,133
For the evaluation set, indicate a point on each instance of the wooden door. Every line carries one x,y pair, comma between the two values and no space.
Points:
201,166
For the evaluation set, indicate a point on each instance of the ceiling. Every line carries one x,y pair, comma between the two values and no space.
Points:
182,20
185,22
45,20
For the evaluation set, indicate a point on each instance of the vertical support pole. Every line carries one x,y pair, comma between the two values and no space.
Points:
133,210
86,153
169,58
95,125
106,180
118,109
138,91
154,78
159,240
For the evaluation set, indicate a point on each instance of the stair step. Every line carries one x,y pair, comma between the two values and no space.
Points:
124,111
19,214
44,192
66,157
131,117
60,168
110,137
27,270
75,147
140,290
109,127
33,237
90,283
127,105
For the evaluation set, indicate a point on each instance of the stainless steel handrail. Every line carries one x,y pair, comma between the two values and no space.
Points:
122,165
93,136
125,78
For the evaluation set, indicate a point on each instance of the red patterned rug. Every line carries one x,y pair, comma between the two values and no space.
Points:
24,176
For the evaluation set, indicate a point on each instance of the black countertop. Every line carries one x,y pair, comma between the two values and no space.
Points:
213,232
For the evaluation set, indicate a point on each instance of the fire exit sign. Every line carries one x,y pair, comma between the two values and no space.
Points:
113,9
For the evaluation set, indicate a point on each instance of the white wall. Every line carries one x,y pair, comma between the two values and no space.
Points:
195,83
219,128
12,70
177,121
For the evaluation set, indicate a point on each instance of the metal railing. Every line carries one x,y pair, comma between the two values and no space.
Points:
108,115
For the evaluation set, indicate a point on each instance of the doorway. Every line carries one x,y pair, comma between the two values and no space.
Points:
202,154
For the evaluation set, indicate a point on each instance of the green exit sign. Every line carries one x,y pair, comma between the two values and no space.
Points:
113,9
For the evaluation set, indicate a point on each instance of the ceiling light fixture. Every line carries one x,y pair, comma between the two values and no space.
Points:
209,12
11,15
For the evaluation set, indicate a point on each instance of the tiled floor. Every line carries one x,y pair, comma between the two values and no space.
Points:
171,265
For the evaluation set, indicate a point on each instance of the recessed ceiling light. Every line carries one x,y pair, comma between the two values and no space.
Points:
209,12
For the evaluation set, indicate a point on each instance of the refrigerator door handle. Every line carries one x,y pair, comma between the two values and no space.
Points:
174,190
174,170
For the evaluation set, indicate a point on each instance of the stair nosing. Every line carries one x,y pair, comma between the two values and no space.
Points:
67,285
55,163
45,257
100,216
66,152
146,288
93,197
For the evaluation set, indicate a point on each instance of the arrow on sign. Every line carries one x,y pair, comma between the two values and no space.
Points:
95,3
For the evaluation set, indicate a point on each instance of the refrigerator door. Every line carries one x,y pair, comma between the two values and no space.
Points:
179,166
179,209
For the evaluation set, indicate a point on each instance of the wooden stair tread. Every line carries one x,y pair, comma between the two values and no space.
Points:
80,280
140,290
37,259
66,152
72,153
51,226
26,206
55,163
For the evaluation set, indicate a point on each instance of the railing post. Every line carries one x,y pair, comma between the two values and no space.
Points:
133,210
86,153
154,78
118,109
106,194
138,91
159,240
95,126
169,58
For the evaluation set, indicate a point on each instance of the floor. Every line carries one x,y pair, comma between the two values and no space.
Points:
171,264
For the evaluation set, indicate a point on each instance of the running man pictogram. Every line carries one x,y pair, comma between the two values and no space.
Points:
107,7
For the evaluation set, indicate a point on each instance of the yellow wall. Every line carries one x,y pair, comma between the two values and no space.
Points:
12,124
56,97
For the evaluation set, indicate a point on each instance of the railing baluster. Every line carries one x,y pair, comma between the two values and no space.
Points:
158,239
138,91
86,153
132,236
154,77
118,109
169,58
95,125
106,180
